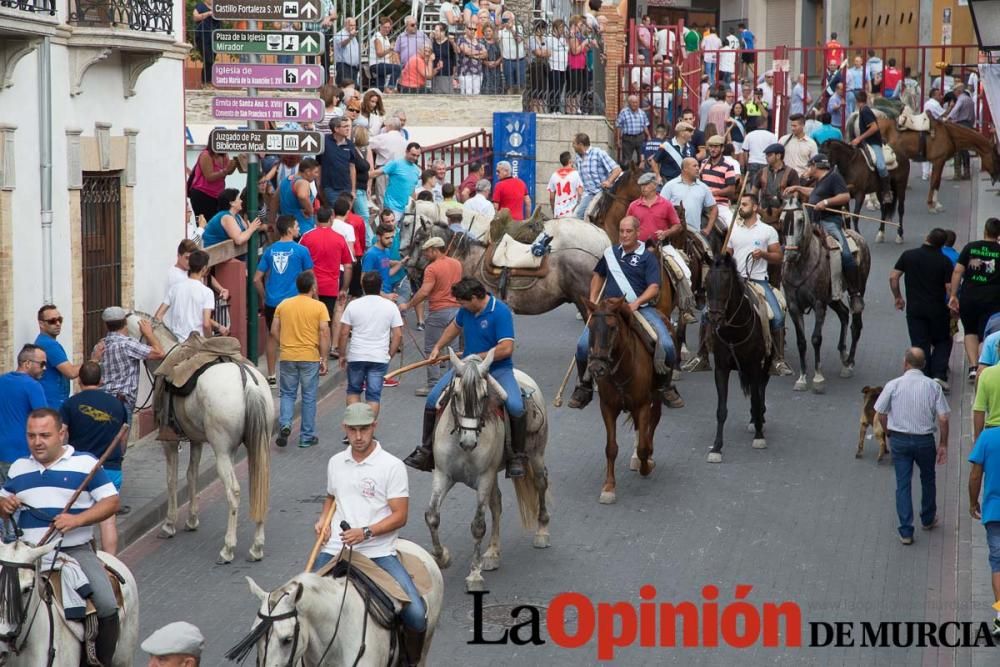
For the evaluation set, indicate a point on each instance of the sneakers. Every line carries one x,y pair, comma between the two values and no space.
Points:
308,442
390,383
972,375
945,387
906,540
423,391
932,525
283,434
420,326
272,380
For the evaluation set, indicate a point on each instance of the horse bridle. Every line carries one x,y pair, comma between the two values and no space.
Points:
463,423
606,358
18,637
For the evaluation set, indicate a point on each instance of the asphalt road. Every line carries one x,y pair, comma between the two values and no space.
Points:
802,521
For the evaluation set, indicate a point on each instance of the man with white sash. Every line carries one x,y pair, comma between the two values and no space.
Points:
628,270
668,161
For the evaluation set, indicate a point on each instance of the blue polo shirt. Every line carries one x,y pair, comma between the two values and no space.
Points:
986,452
283,262
54,384
640,267
21,394
93,418
483,331
403,177
377,259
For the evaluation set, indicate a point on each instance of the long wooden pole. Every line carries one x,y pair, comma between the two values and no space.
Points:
735,213
324,521
415,365
115,444
858,215
557,401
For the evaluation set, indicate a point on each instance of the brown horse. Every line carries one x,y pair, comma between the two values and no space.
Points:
862,180
942,143
622,365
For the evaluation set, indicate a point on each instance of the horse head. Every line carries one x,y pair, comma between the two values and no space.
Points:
622,192
798,240
279,633
723,288
160,330
608,324
991,162
470,389
18,580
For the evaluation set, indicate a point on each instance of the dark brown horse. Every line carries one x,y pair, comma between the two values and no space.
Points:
738,343
622,366
862,180
940,144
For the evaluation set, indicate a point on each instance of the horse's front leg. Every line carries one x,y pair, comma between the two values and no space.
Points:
169,527
474,581
540,476
721,408
194,462
610,416
802,383
900,206
937,172
491,559
226,472
651,419
757,410
819,382
439,489
843,314
856,325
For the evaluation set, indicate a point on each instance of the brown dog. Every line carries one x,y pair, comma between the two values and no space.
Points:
868,418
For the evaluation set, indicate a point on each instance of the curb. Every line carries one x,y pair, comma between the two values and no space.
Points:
143,519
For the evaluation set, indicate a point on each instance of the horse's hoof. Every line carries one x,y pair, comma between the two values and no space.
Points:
650,465
759,443
899,239
847,372
444,560
801,384
191,526
222,560
880,237
819,387
607,498
715,457
633,463
254,559
858,455
491,563
541,542
166,533
475,585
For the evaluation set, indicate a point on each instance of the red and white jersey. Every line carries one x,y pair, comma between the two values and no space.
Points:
565,183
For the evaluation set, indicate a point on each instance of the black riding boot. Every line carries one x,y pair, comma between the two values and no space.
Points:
518,443
413,645
108,630
667,391
886,187
584,391
422,457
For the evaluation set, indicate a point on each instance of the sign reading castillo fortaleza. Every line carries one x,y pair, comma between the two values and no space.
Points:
265,141
267,10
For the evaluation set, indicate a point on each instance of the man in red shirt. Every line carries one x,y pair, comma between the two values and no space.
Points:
352,282
511,193
467,189
834,50
890,79
329,253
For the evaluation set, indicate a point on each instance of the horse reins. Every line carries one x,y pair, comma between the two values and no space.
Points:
18,637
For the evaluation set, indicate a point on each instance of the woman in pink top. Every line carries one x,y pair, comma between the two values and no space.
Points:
208,180
576,64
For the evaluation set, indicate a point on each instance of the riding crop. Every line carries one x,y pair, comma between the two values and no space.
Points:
858,215
557,401
323,521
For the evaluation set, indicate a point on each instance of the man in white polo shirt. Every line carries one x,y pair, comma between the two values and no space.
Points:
189,304
371,490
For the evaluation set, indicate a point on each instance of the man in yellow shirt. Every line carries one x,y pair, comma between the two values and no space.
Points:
301,328
986,409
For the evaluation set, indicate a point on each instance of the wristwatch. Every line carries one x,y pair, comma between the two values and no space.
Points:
368,532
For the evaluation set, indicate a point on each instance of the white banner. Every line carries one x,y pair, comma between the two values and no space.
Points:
989,78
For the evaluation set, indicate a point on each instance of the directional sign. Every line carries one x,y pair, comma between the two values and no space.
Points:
307,109
237,75
267,10
267,41
265,141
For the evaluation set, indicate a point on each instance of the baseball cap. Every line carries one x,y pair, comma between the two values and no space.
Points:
683,126
433,242
775,148
180,638
114,314
359,414
820,160
715,140
648,177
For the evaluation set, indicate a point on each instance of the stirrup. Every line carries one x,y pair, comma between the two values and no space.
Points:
697,363
582,395
421,459
516,466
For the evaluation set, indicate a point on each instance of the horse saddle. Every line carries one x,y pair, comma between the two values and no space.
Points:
511,254
758,291
836,266
917,122
372,581
54,578
676,263
833,245
193,355
887,152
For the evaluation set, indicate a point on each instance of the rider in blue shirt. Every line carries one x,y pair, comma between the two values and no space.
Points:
640,268
487,324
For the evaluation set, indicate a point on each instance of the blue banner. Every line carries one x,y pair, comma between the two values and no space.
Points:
514,140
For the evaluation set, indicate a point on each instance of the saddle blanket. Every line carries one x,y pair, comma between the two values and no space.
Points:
68,580
764,314
762,297
185,359
675,262
887,152
511,254
414,566
836,267
918,122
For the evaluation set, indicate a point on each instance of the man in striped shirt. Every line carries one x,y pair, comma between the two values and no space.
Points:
721,178
632,129
910,408
47,494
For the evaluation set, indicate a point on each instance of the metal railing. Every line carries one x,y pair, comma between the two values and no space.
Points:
459,153
33,6
141,15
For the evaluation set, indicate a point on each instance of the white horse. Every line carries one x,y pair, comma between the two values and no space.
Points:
34,632
312,620
469,448
225,409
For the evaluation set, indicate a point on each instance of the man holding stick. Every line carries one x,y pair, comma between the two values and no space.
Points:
51,496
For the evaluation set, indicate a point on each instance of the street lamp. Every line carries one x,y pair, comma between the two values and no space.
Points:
986,20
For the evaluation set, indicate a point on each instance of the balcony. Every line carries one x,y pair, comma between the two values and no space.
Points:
140,15
32,6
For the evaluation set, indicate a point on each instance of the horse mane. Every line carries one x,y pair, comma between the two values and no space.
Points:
605,203
969,134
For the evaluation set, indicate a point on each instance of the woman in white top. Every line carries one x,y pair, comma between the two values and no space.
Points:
384,66
372,110
332,107
558,49
451,16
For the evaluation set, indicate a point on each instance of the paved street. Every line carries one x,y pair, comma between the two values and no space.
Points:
802,520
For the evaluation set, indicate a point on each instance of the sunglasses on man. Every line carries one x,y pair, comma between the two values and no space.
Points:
53,320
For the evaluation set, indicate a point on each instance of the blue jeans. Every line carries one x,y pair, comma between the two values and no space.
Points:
710,72
414,614
581,208
651,315
906,450
880,161
993,542
291,375
514,73
331,195
370,375
835,230
504,375
361,208
778,321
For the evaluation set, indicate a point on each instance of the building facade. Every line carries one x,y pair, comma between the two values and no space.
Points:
91,161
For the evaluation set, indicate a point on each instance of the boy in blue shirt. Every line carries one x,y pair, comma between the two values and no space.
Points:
282,262
379,258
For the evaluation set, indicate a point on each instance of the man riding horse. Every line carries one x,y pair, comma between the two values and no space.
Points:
487,324
828,197
768,186
630,271
868,124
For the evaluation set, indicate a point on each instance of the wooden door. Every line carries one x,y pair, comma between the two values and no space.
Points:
101,234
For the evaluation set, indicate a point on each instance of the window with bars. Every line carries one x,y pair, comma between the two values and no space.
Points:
100,248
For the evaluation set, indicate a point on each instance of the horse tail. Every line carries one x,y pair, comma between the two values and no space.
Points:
527,499
257,437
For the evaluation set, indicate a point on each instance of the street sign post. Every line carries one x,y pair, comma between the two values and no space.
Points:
267,10
267,42
238,75
305,109
273,142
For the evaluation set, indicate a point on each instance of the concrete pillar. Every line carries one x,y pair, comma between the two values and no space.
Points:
926,36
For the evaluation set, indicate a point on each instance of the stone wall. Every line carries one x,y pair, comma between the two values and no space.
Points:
614,52
554,135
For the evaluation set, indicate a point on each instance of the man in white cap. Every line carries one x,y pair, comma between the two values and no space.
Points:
120,355
175,645
440,274
371,490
